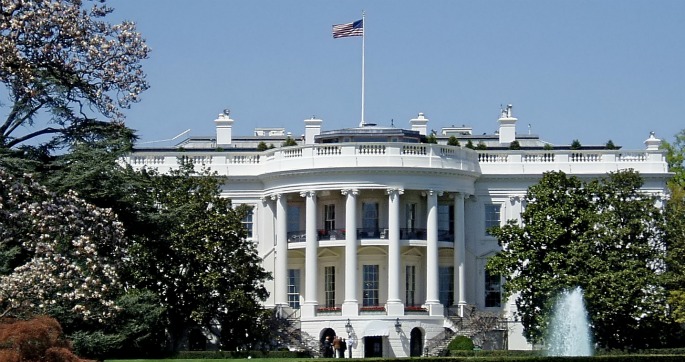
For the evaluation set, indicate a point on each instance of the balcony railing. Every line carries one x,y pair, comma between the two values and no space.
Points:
402,155
300,236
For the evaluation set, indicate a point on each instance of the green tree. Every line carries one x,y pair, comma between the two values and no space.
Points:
610,145
675,157
262,146
675,226
575,145
289,142
199,263
481,146
453,141
603,235
62,66
469,144
431,138
514,145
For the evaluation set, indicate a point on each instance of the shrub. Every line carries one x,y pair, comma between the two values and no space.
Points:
514,145
460,343
575,145
38,339
453,141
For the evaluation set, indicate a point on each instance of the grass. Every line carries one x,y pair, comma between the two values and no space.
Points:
210,360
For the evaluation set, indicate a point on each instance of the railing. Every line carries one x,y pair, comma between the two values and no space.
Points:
300,236
402,155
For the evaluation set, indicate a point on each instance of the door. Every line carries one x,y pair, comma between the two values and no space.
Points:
373,347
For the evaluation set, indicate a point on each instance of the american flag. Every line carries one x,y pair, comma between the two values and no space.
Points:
350,29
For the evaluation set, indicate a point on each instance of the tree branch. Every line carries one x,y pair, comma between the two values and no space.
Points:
43,131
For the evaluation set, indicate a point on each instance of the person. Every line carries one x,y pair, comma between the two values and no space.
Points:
327,348
343,347
336,347
351,343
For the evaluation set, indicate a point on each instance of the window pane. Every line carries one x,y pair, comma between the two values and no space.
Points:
446,283
294,288
492,216
493,290
410,285
329,284
370,287
247,223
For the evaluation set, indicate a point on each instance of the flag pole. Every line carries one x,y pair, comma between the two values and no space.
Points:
362,123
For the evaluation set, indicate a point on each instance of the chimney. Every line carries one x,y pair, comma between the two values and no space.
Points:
224,129
419,123
312,128
507,126
652,142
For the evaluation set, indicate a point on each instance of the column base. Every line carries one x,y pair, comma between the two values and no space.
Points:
435,309
350,309
308,310
394,308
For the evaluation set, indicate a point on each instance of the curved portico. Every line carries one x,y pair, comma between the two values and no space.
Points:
341,209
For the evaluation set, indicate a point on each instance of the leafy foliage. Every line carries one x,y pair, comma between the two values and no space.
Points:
453,141
57,252
461,343
603,235
515,145
469,144
199,261
289,142
675,226
60,59
38,339
575,145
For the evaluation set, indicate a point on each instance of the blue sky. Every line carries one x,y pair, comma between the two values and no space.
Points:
587,70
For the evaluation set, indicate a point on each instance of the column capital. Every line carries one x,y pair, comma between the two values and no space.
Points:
394,191
353,192
309,193
431,193
514,199
276,196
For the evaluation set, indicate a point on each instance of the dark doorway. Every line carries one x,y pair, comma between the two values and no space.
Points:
373,347
416,343
330,333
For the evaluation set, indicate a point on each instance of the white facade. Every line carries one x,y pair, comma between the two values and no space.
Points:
386,240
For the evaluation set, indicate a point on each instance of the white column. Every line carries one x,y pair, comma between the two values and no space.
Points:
308,309
432,262
394,305
459,253
281,269
350,306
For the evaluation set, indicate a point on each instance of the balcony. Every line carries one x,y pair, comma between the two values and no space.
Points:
300,236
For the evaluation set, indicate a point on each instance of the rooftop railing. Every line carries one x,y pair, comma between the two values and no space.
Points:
402,155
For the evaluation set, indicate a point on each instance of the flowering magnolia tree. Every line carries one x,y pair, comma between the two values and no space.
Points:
56,252
60,60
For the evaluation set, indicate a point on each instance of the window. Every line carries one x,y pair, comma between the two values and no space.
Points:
329,286
446,220
329,217
293,218
294,288
492,216
410,285
446,285
370,287
493,290
370,216
247,223
411,216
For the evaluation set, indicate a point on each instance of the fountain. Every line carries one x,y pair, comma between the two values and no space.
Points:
569,329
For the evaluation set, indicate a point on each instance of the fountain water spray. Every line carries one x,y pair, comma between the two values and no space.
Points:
569,329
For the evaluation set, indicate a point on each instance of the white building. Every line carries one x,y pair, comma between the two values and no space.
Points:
372,234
